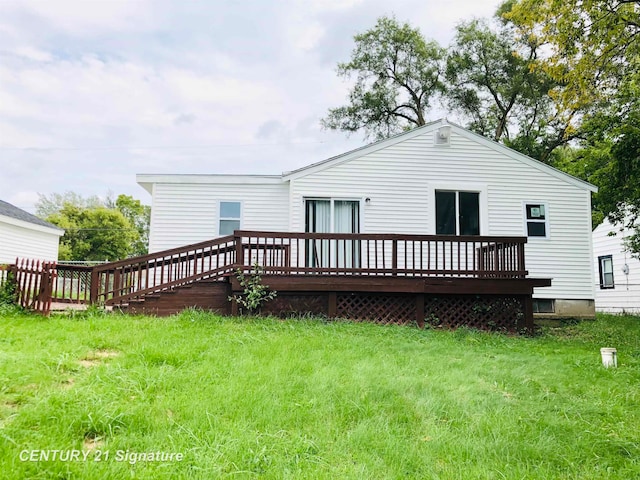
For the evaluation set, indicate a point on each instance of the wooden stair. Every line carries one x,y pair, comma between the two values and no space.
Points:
210,295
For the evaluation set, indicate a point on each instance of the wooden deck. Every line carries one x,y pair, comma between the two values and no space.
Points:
477,281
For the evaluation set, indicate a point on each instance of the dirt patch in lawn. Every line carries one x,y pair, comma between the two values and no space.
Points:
92,443
94,358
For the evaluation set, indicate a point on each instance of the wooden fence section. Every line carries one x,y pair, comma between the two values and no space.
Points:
73,284
34,281
382,254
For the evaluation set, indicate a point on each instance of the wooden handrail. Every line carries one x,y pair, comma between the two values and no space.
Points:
163,253
378,236
121,281
383,254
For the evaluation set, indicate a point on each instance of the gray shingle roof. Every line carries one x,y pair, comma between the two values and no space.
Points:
12,211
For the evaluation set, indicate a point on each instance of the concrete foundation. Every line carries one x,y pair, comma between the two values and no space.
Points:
570,309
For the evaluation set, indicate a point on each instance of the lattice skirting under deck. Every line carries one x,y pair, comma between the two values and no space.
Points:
379,308
487,312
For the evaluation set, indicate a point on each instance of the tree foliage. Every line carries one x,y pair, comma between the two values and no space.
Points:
492,83
97,229
595,54
397,74
595,45
486,77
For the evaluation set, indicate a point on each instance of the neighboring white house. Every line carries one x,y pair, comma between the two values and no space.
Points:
26,236
617,273
436,179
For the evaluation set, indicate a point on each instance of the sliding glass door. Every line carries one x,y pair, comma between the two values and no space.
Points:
332,216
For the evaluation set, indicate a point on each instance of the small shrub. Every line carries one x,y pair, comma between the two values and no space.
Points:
9,290
254,294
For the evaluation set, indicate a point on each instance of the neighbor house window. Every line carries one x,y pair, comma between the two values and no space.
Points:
606,271
536,219
229,217
457,213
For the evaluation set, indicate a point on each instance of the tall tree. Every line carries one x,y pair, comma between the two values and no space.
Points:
595,51
594,45
96,233
139,217
493,85
97,229
397,74
49,204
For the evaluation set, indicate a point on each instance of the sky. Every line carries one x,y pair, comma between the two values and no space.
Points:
94,92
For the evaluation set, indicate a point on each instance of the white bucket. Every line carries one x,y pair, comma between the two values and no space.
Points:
609,357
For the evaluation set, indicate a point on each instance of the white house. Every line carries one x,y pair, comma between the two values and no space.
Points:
26,236
617,273
436,179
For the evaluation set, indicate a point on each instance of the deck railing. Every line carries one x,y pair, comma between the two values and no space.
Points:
381,254
293,254
118,282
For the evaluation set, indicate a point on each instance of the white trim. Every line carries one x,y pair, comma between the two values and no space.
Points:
547,222
31,226
145,180
481,188
332,201
220,217
601,273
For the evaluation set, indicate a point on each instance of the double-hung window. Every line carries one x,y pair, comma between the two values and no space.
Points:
457,213
230,214
536,219
605,265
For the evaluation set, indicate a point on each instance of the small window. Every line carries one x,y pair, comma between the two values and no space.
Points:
536,219
543,305
229,217
605,265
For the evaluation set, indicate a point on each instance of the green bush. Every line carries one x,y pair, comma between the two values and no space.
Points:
254,293
9,290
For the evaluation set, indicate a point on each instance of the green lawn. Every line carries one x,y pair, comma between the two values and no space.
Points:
264,398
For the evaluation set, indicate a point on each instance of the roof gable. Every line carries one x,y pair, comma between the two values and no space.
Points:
433,126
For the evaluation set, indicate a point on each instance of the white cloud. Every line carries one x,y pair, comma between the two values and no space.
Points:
226,87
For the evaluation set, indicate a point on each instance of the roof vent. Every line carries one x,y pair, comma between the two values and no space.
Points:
443,136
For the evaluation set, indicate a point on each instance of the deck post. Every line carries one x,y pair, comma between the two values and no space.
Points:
93,291
332,307
237,240
527,305
234,307
394,257
420,310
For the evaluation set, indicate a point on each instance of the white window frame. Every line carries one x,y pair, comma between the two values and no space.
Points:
332,201
220,217
480,188
526,220
601,273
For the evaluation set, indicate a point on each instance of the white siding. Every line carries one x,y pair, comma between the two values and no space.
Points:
24,242
400,181
625,296
185,213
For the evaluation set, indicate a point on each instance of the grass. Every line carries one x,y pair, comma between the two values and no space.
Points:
264,398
